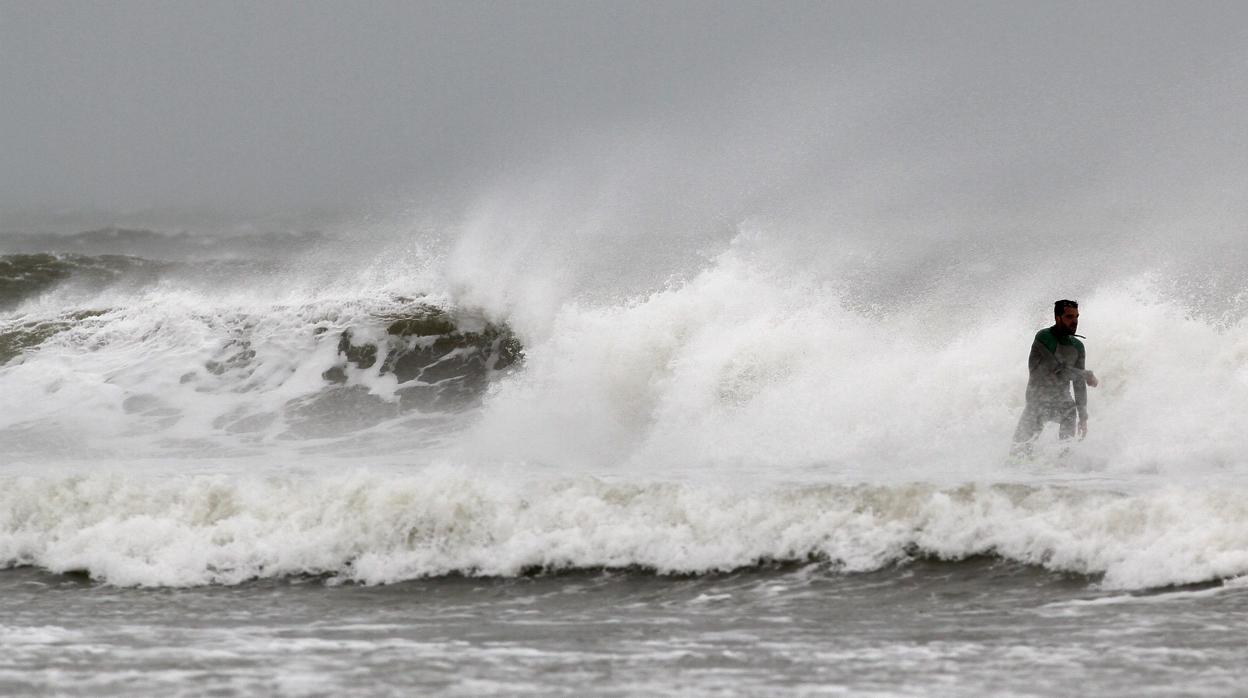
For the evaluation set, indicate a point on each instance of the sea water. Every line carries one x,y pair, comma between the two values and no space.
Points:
755,471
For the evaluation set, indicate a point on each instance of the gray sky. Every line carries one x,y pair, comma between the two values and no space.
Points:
914,110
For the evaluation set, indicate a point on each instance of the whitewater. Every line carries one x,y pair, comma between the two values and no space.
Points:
520,445
743,415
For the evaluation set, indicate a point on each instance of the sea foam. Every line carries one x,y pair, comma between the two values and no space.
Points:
377,527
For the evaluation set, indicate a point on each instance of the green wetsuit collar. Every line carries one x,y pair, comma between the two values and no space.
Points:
1060,335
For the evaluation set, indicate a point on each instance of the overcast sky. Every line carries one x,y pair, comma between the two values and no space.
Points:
276,106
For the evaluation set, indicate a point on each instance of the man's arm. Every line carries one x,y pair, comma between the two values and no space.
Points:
1080,381
1041,358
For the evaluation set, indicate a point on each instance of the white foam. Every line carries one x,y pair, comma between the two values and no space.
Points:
36,635
383,527
757,361
771,369
751,372
178,371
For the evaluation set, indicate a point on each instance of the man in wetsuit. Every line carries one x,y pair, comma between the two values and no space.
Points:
1056,364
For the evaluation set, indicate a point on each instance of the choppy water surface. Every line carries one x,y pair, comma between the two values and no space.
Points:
980,626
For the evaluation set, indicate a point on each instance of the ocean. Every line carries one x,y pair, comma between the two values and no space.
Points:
356,463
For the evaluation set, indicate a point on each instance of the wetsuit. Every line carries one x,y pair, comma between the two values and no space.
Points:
1056,363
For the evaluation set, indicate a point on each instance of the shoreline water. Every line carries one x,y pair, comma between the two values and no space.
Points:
976,627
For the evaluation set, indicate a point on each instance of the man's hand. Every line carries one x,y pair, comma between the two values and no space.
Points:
1091,379
1083,427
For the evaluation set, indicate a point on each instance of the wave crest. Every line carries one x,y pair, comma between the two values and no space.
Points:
166,378
381,528
24,276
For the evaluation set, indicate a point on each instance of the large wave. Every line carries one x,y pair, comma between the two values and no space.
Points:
169,373
376,527
742,365
24,276
768,405
744,362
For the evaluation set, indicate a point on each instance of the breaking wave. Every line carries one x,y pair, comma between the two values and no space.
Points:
24,276
754,411
165,376
374,527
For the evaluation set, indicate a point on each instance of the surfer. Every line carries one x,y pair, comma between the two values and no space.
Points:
1056,364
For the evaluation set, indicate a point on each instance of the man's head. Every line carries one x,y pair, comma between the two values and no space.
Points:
1066,316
